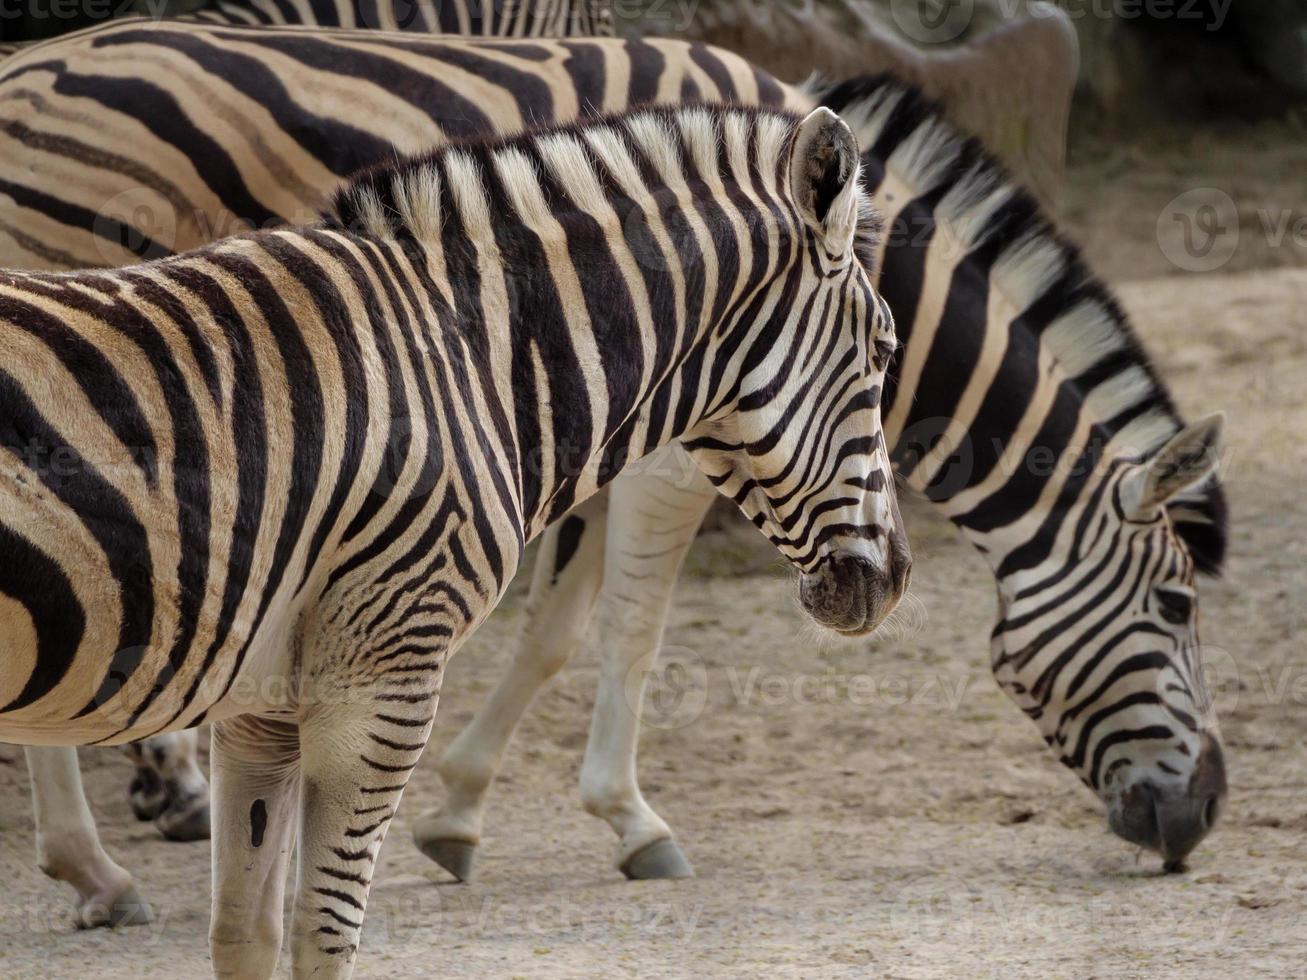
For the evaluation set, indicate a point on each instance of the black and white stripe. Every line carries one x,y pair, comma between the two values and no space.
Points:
471,18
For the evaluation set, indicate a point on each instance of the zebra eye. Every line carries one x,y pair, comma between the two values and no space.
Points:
884,351
1175,606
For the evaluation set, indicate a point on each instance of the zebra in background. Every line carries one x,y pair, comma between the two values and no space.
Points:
252,159
307,461
472,18
199,132
1024,408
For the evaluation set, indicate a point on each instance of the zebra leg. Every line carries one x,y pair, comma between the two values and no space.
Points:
255,766
356,759
651,524
68,844
564,584
169,787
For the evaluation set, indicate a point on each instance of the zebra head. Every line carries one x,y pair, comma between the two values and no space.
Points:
1102,651
801,450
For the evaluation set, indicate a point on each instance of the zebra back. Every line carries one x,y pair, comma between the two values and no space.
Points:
472,18
169,135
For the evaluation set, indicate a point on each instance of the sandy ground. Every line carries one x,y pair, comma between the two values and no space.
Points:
900,818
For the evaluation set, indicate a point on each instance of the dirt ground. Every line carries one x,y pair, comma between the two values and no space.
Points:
874,808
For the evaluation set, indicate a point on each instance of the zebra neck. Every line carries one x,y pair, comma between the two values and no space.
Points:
594,365
1051,489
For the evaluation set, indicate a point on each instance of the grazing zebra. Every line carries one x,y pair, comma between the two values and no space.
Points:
272,484
939,260
1024,408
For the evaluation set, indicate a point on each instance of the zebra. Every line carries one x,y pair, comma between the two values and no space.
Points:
271,485
921,187
210,131
1024,408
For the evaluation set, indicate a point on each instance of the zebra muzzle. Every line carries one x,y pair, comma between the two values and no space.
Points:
1173,819
852,595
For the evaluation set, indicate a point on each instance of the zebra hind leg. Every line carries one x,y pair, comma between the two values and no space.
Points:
169,787
564,586
255,765
652,521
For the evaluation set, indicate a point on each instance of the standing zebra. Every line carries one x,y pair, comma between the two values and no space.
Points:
1024,408
274,483
270,158
185,144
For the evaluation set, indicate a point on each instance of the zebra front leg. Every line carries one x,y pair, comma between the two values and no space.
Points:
357,758
68,845
564,584
652,521
169,787
255,766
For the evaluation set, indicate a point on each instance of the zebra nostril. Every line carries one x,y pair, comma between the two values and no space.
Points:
903,578
1211,810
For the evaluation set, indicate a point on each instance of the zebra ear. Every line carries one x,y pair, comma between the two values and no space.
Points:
824,178
1187,459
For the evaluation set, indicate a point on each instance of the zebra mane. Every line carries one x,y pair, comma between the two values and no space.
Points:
404,197
1088,332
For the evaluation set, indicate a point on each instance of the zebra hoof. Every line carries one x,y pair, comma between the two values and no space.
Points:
183,825
126,909
661,859
455,856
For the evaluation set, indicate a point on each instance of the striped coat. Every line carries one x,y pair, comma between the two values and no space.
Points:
273,483
1013,352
